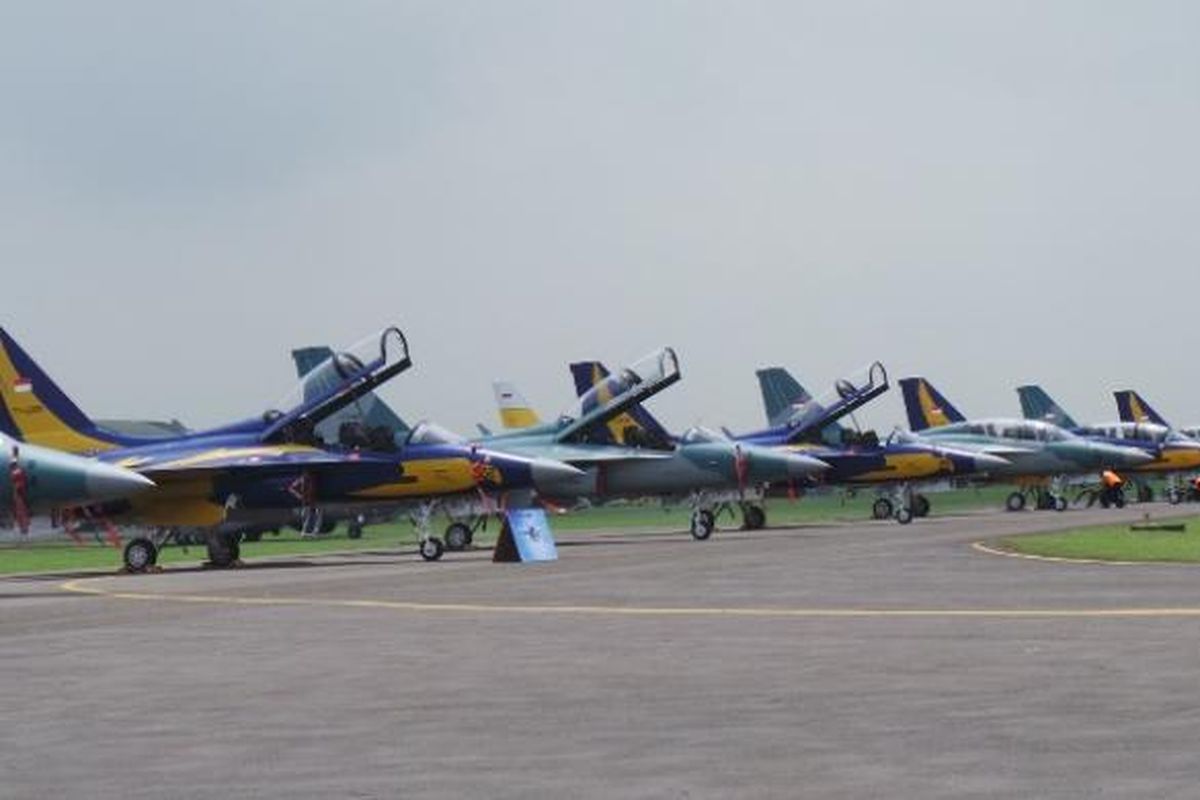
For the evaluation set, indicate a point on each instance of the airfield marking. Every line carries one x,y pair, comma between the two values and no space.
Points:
982,547
77,587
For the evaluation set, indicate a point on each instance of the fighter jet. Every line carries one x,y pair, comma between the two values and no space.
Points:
273,461
1036,450
39,480
1170,451
626,453
896,466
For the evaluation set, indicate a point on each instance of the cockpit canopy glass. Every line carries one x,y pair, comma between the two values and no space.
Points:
643,377
321,401
701,435
426,432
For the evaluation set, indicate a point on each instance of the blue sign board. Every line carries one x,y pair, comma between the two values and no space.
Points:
531,533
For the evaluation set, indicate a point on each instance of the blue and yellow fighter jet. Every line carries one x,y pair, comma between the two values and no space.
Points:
896,466
272,461
1042,455
1171,452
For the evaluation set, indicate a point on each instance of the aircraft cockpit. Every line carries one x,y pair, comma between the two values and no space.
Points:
847,394
332,404
620,392
427,433
698,434
1140,432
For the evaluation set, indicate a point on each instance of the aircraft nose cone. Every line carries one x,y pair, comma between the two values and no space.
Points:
801,466
1118,456
550,476
106,482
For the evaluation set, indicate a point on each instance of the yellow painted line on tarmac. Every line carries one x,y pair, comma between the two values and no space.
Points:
80,586
995,551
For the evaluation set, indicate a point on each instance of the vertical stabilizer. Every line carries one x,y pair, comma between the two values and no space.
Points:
1036,404
1132,407
926,406
781,393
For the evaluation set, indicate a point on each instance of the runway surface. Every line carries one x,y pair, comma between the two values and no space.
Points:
856,660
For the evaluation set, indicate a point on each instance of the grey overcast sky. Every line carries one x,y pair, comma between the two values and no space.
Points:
984,193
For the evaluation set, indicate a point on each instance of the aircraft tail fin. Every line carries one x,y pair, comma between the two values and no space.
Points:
781,393
1133,408
37,411
515,410
926,406
634,426
1036,404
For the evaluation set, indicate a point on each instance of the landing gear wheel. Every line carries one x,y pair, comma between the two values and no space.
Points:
1175,497
1060,504
140,555
1015,501
432,549
1119,499
354,529
458,537
224,549
754,518
904,516
921,506
881,508
1145,494
702,524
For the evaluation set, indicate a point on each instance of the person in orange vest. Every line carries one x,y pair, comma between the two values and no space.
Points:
1111,493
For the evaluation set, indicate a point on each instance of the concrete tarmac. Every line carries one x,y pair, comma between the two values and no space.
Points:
854,660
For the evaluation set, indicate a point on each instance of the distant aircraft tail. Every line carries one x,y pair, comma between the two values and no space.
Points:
1133,408
926,406
515,410
1036,404
634,427
35,410
781,393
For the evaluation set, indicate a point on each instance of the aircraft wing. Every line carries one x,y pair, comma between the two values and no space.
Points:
265,459
583,454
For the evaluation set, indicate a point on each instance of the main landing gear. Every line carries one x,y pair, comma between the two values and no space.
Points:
904,506
1052,499
140,555
754,517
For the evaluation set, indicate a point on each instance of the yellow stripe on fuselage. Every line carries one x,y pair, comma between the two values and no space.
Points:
933,414
1172,459
37,423
432,476
907,466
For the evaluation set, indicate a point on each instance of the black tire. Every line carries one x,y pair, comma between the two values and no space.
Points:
754,518
140,555
224,549
432,548
882,508
904,515
458,537
921,506
1175,497
1015,501
354,530
1060,504
702,525
1119,499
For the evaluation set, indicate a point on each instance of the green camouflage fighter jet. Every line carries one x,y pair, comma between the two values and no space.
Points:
38,480
625,453
1038,452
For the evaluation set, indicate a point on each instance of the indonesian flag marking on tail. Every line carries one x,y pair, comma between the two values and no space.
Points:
22,385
